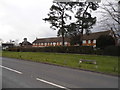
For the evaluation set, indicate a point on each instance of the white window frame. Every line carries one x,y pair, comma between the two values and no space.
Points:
54,43
94,41
84,41
89,41
66,43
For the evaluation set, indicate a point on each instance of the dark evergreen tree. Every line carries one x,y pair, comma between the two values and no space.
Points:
104,41
58,17
73,34
84,21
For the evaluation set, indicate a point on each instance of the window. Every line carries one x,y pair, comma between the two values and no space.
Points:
65,43
94,41
60,43
89,41
84,41
45,44
51,43
54,43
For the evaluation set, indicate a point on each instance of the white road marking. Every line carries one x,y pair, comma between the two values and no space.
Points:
11,69
52,83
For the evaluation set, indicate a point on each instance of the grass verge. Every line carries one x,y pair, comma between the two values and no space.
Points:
105,64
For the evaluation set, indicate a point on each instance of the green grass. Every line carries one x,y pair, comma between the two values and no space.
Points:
105,64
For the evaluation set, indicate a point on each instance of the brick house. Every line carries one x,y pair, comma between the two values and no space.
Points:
88,40
55,41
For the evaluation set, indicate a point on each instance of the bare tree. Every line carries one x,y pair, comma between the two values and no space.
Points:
113,11
111,16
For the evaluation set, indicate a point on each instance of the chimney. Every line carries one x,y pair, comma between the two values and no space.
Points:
25,39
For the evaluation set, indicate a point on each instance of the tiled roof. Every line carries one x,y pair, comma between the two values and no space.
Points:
95,35
54,39
7,44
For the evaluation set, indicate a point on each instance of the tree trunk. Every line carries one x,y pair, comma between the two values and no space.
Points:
82,29
63,31
63,40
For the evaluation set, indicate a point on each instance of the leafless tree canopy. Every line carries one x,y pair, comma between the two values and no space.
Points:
111,16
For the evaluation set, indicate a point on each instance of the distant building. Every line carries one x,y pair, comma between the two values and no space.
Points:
7,45
88,40
55,41
25,43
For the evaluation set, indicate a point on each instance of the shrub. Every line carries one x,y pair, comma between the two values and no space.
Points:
57,49
105,41
112,51
15,49
98,51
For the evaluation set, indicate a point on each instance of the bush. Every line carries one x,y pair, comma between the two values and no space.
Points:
15,49
112,51
98,52
104,41
57,49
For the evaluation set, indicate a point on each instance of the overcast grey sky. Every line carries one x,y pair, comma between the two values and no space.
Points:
23,19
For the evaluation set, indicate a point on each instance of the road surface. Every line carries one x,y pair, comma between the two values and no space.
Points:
18,73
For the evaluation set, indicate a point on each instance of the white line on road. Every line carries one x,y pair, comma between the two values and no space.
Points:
52,83
11,69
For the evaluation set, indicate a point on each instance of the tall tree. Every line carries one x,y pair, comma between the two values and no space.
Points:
111,16
84,20
58,17
73,34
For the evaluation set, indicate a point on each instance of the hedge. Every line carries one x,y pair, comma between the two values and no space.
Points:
111,50
57,49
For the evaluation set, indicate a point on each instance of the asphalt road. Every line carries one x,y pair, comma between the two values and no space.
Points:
25,74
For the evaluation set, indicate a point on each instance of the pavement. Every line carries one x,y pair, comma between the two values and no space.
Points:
18,73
